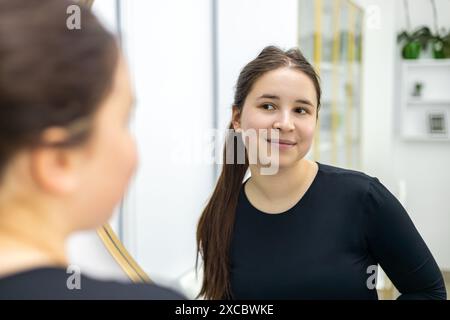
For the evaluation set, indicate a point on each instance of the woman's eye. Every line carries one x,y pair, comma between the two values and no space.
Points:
301,110
268,106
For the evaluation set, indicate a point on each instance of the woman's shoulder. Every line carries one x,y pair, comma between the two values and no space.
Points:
56,283
358,183
347,181
345,175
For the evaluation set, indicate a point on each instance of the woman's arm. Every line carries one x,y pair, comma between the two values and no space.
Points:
398,247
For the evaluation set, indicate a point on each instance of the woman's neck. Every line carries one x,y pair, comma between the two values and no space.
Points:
285,184
31,239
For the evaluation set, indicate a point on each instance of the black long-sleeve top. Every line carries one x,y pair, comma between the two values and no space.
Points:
326,246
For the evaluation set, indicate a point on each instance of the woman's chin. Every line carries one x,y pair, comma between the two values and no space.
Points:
273,166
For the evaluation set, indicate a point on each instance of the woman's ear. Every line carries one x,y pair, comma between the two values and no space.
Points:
236,119
55,169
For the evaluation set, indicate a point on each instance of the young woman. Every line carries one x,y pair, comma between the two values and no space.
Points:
66,154
310,231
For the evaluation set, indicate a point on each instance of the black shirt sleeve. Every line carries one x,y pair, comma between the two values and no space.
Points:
398,247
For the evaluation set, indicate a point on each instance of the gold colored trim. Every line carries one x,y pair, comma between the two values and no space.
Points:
446,276
349,111
335,79
121,255
360,81
317,58
317,33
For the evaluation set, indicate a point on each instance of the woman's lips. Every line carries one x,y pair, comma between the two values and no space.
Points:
282,143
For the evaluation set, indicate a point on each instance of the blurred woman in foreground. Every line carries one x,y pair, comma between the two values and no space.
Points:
66,154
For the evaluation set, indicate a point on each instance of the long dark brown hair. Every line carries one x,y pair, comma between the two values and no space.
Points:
215,227
50,76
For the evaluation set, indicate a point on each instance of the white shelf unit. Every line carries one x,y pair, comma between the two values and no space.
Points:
425,117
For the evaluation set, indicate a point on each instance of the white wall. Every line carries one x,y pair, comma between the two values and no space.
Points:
245,28
424,166
168,44
416,172
421,13
377,89
87,251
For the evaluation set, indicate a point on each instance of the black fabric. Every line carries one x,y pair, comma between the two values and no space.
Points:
51,284
323,247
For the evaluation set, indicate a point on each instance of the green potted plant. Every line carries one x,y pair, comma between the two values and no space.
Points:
417,41
440,41
414,42
447,45
438,47
441,45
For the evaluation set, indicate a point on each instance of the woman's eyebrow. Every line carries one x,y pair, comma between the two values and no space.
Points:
305,101
269,96
275,97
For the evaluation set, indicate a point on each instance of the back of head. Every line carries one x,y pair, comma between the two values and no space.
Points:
50,76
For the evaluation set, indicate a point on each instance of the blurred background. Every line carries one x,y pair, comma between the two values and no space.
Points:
385,70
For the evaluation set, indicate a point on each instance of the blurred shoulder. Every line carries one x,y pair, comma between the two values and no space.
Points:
56,284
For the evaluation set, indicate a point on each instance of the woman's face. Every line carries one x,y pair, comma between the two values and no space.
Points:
283,99
110,155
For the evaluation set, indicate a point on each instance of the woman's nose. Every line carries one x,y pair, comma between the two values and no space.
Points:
284,122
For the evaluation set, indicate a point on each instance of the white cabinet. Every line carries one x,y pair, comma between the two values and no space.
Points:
425,100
